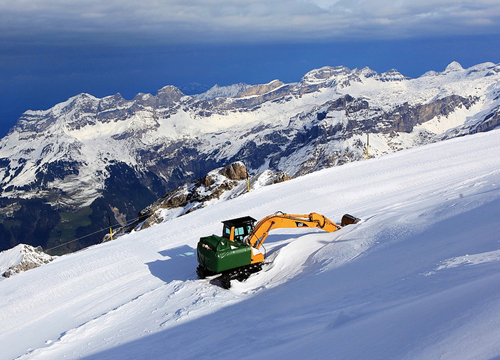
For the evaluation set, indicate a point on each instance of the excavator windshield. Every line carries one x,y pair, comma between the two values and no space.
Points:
239,232
238,229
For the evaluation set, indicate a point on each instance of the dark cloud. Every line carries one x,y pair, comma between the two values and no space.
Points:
241,20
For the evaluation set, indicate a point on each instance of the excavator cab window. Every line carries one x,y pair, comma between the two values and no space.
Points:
226,232
241,232
242,227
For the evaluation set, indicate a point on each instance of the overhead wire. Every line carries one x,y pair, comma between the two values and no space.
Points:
129,222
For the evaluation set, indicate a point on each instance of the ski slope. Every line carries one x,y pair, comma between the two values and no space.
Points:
418,278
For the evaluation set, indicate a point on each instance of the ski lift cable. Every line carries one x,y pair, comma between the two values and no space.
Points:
87,235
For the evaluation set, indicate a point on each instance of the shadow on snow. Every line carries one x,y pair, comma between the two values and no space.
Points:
179,264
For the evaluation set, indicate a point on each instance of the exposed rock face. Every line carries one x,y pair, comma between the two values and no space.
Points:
235,171
490,121
405,117
261,89
220,184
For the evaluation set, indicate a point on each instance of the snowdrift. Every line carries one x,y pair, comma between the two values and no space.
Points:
418,278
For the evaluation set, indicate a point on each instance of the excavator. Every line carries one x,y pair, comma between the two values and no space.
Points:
237,253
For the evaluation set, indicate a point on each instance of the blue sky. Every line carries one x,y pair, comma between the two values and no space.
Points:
51,50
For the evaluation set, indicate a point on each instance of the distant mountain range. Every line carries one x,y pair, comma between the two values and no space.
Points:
73,169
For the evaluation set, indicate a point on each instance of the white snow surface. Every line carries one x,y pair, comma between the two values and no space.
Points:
417,278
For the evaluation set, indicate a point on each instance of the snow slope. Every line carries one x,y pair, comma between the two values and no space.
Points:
418,278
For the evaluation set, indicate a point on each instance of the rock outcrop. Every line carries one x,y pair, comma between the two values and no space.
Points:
22,258
220,184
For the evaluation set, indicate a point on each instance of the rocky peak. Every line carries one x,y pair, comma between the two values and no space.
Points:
367,72
85,102
168,96
335,77
392,75
110,102
261,89
325,73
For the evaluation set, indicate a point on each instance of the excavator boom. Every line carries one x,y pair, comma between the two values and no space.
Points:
279,220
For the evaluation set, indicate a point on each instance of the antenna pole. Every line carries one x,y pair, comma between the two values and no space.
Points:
367,145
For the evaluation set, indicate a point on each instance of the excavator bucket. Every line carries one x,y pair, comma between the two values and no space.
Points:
349,219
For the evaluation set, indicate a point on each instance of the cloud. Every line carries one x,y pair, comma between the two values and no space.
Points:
181,21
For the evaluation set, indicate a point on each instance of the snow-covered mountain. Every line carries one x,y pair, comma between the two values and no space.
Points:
417,278
88,158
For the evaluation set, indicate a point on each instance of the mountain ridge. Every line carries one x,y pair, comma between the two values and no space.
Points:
111,153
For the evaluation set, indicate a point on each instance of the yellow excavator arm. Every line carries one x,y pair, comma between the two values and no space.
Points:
279,220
